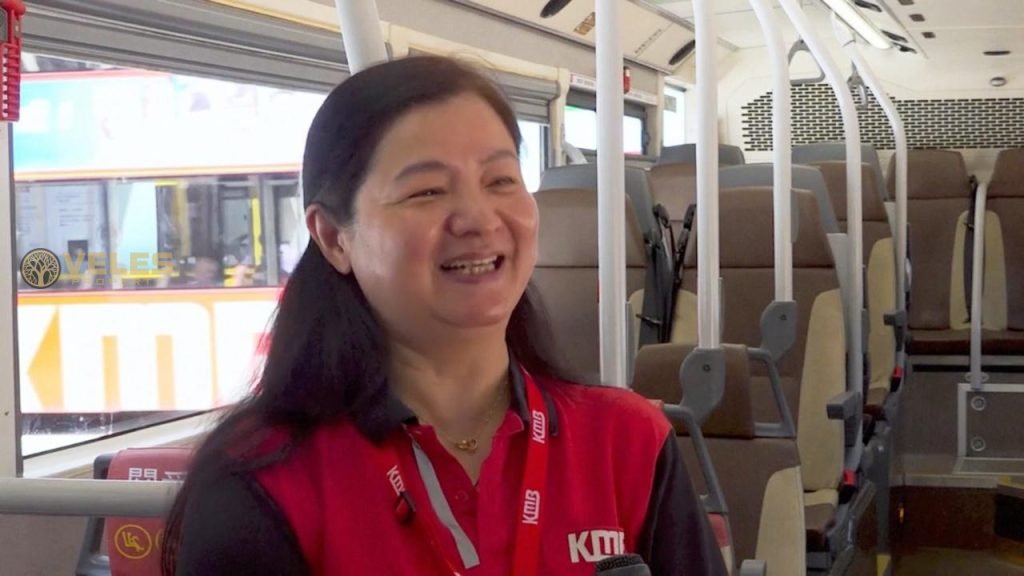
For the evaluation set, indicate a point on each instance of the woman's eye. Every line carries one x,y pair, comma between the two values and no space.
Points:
427,193
504,181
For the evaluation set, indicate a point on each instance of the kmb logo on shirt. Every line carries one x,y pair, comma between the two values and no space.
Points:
531,507
596,545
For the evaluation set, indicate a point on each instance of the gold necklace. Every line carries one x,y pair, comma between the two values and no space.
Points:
471,444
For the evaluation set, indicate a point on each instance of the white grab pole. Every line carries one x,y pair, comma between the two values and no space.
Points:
848,41
360,31
611,197
977,379
783,154
854,208
708,296
10,432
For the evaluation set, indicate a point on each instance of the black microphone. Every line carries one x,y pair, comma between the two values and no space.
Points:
624,565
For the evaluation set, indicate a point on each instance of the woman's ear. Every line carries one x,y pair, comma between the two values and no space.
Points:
329,236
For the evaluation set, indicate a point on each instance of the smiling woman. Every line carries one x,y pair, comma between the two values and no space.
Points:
411,416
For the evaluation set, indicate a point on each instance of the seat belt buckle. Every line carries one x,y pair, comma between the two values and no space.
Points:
896,380
848,485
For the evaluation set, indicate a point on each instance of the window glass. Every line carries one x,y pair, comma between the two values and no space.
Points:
581,130
532,155
170,211
674,118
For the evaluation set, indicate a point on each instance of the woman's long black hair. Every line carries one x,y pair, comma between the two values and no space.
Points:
327,357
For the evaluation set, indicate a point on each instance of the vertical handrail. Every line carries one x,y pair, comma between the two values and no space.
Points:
708,289
360,31
611,197
848,41
977,378
783,153
854,211
10,431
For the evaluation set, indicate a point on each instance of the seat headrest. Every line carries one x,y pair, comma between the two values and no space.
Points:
656,376
751,244
1008,177
567,237
823,152
584,176
834,172
687,154
804,178
933,174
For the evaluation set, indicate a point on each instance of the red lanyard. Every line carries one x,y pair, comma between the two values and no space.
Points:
527,545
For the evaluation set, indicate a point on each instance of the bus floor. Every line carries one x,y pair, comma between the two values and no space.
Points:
947,562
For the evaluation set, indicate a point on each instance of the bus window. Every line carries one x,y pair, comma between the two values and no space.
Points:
581,130
157,215
674,118
532,155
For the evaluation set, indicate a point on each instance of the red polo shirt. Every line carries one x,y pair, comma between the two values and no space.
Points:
615,484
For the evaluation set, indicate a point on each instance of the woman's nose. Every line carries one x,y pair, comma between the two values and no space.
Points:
474,211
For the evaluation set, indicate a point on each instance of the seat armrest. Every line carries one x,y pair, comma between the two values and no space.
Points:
898,320
753,568
844,406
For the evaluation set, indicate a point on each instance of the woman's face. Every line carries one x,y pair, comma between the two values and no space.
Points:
445,231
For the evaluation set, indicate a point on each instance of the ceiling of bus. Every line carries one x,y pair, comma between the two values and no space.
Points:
652,37
962,30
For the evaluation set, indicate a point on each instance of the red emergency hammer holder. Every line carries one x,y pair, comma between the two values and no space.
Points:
10,59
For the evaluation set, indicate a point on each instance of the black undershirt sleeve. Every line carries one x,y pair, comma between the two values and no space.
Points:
233,527
677,539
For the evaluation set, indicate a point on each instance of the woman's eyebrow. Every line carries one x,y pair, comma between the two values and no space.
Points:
499,155
421,167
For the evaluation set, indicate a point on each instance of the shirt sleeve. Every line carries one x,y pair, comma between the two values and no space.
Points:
677,539
233,527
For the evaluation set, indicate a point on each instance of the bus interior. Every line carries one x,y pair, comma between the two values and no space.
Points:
802,218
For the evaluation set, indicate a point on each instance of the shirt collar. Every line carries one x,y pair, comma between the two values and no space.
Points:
391,414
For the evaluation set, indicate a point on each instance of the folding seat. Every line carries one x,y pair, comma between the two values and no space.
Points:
758,472
880,287
813,371
939,205
566,273
133,545
1004,257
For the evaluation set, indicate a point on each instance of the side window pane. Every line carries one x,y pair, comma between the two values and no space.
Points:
172,207
581,130
531,157
674,119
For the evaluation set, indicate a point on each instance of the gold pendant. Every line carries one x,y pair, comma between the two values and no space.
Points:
468,445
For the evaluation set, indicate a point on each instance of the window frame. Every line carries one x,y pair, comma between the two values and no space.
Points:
191,37
588,101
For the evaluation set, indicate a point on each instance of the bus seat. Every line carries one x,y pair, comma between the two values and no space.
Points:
938,204
813,372
674,186
566,273
133,544
1004,265
584,176
880,289
728,155
759,476
826,151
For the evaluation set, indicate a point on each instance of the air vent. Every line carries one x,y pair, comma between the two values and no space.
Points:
928,35
997,52
683,53
868,5
553,7
907,49
917,17
907,2
896,37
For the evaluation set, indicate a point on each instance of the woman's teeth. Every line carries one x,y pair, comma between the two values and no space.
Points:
473,267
